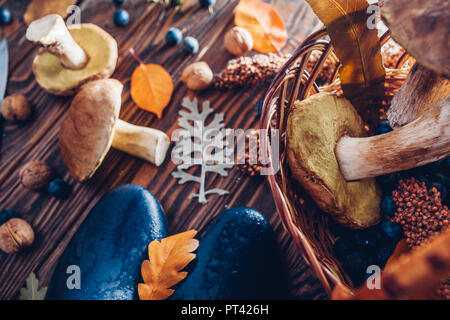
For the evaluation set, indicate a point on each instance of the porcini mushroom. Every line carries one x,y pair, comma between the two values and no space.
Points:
314,127
421,27
70,57
92,126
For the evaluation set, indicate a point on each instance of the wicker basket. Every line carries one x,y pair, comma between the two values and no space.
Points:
309,227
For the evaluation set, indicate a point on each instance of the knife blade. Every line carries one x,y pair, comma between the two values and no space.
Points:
4,62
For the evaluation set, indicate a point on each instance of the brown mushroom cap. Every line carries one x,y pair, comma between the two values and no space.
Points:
314,127
101,49
87,131
422,28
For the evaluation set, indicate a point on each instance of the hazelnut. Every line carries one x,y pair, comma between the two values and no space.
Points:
15,235
197,76
35,175
16,108
238,41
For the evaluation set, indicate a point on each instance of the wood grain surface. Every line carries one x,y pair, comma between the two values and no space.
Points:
55,221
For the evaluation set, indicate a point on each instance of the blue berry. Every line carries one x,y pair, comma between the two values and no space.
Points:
190,45
341,248
5,215
173,36
388,182
393,231
446,164
207,3
432,167
121,17
5,16
58,188
383,255
119,1
383,127
388,206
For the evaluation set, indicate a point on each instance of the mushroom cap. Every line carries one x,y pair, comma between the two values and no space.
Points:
422,28
314,127
100,47
88,129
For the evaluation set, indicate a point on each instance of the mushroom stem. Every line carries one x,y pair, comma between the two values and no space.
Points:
422,90
51,33
146,143
425,140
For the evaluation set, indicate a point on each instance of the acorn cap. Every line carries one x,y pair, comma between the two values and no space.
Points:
421,27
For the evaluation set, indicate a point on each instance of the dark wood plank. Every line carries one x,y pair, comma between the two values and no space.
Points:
56,221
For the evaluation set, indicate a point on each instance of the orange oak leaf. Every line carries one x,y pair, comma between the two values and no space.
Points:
166,260
40,8
264,24
151,87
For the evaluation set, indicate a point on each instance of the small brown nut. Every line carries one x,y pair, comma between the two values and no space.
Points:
16,108
35,175
15,234
238,41
197,76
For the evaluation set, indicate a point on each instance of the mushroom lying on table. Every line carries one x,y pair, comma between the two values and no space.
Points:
92,126
421,27
70,57
327,148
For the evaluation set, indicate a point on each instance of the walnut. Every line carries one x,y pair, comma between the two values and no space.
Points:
197,76
238,41
16,108
35,175
15,235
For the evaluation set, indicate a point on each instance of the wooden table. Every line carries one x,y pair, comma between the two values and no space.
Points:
55,221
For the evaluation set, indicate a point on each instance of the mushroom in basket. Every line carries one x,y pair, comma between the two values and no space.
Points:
70,57
91,126
422,29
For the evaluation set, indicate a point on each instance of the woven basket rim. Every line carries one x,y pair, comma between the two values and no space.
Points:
327,278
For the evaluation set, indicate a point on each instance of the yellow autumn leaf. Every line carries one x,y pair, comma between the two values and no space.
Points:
166,260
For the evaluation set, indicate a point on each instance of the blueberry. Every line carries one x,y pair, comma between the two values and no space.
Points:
58,188
432,167
121,17
383,127
207,3
383,255
5,16
446,164
388,206
173,36
393,231
119,1
190,45
341,248
388,182
5,215
441,188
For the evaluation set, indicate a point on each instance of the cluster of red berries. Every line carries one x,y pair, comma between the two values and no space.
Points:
422,216
248,71
419,211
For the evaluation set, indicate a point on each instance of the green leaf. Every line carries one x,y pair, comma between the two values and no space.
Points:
357,47
31,290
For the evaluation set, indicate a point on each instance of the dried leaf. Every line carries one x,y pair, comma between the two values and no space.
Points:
166,260
151,87
264,24
357,47
40,8
31,291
